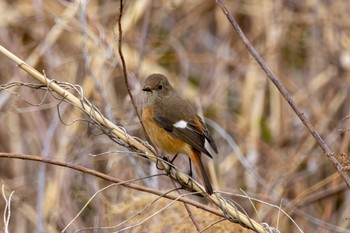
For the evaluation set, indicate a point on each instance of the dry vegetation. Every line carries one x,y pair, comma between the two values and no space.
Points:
264,148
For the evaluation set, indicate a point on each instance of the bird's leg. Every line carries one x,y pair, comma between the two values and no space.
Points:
162,157
168,161
157,165
171,161
190,173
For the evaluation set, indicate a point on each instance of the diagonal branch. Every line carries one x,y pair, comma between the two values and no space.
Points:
285,93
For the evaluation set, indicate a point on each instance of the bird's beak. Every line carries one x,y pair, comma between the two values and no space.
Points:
147,89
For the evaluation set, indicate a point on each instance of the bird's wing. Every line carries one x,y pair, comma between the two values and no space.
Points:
193,132
207,135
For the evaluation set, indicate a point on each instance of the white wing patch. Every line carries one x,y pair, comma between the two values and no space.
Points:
181,124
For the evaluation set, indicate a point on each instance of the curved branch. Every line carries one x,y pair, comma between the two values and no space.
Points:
109,178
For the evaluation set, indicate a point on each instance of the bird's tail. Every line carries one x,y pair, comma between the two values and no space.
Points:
196,159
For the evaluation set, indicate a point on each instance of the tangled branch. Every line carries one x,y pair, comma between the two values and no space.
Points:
73,94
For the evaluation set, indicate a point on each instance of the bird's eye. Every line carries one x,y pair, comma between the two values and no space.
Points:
160,87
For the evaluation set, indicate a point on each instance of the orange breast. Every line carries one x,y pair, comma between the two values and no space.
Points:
159,136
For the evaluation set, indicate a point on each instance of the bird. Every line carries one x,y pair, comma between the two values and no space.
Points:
172,125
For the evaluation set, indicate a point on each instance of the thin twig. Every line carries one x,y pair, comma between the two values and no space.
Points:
98,192
131,217
108,178
285,93
125,73
193,219
152,215
7,211
213,223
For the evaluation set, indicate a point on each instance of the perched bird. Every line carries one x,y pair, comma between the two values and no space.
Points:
172,124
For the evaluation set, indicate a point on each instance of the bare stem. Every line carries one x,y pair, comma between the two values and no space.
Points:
285,93
125,73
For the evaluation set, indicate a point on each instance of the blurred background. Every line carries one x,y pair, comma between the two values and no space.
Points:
264,149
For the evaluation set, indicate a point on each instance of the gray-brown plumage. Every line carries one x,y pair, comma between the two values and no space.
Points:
173,125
